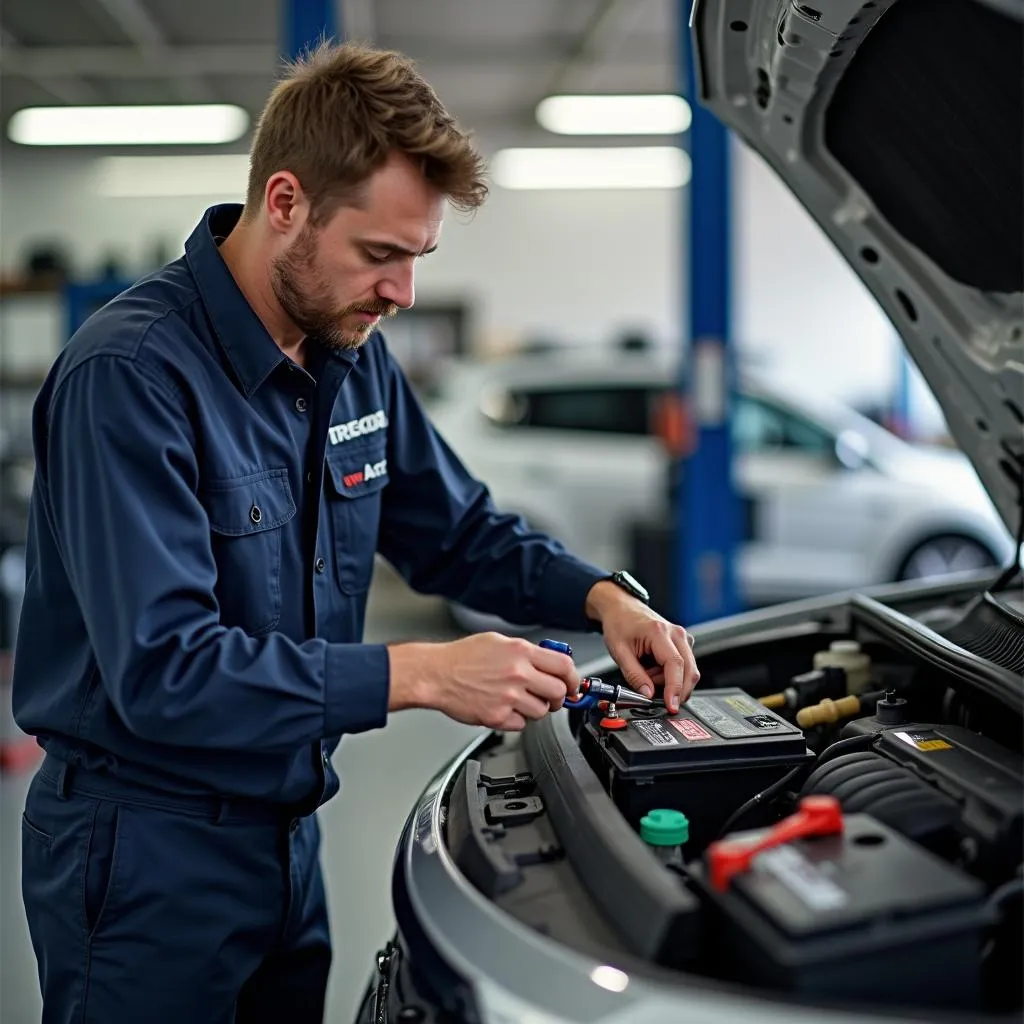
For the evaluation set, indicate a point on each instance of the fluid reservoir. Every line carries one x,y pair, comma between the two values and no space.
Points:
847,655
665,831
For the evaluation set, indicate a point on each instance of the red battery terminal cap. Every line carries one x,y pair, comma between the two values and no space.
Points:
817,816
613,723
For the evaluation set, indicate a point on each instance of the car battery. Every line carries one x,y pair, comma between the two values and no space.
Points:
718,751
863,914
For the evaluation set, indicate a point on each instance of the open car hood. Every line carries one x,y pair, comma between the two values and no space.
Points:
899,125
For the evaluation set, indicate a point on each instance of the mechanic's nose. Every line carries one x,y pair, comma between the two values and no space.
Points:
399,287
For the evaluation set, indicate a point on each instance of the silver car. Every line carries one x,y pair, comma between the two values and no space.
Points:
830,830
831,501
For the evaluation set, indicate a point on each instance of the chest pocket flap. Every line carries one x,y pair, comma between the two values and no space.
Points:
250,504
246,515
358,472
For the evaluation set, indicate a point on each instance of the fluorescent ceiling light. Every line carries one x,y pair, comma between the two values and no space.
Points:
614,115
126,177
604,168
206,123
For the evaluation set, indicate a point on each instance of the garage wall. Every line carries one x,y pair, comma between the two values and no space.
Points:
579,266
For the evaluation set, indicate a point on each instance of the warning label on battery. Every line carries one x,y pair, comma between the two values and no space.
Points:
654,731
925,740
724,724
690,729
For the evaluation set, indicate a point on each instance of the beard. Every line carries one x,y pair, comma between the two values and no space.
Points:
301,288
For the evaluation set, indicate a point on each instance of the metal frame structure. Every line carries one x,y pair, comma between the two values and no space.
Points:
707,507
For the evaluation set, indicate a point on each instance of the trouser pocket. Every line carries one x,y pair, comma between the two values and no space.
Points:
99,890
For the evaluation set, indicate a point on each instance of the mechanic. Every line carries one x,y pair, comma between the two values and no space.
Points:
220,452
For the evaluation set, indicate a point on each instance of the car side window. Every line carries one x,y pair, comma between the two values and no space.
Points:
606,409
759,426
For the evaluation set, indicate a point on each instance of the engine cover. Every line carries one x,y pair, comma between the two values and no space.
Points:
950,789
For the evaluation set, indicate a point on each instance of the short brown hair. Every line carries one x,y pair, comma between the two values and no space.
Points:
337,114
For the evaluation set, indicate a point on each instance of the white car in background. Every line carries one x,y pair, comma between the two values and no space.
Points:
831,501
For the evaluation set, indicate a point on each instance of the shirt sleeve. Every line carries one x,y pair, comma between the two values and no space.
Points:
122,480
441,530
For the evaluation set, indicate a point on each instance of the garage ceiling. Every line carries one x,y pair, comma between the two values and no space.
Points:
491,61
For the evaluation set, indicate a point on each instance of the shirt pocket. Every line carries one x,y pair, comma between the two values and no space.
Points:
247,515
356,476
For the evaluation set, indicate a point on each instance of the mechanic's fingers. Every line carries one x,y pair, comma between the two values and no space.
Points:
529,706
632,671
554,663
675,670
551,689
684,644
514,723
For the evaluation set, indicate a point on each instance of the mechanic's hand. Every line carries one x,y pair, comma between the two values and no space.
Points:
487,679
632,632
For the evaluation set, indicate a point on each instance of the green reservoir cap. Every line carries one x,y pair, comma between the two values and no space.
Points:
662,827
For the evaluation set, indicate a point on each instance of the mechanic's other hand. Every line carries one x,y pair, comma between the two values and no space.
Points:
633,631
488,679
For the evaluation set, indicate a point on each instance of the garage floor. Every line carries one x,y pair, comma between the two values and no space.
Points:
382,774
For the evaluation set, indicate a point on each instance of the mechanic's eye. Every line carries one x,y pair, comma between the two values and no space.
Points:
378,256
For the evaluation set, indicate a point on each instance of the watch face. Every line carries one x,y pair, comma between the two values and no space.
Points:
631,584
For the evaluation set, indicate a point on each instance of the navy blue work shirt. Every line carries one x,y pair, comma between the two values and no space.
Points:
202,537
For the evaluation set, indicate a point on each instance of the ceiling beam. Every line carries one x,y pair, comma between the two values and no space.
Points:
66,88
132,17
602,29
258,59
131,62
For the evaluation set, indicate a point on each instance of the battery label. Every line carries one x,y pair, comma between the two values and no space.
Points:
725,725
690,729
926,740
801,877
654,731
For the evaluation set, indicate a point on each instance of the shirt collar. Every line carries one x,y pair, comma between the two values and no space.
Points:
250,349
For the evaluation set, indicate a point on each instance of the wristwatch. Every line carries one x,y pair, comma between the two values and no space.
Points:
630,585
622,579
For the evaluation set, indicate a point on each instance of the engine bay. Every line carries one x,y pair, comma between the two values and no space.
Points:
835,816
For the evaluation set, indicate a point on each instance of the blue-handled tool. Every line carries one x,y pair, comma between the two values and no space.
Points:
592,689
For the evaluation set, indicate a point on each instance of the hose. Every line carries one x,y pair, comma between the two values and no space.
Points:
834,750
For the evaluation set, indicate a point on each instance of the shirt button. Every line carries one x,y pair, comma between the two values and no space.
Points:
319,565
301,405
255,514
309,477
327,757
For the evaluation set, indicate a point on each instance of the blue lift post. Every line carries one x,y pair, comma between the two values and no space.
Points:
306,22
707,508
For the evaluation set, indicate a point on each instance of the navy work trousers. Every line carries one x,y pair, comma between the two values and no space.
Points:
146,908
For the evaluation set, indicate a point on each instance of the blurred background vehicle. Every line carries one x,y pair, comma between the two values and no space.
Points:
576,442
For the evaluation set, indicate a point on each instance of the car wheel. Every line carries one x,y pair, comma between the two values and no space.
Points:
941,556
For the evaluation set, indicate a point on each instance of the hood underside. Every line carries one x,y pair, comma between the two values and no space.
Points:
899,125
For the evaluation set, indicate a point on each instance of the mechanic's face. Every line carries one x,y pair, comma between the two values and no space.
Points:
337,282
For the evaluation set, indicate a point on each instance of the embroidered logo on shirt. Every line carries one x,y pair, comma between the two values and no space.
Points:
369,472
342,432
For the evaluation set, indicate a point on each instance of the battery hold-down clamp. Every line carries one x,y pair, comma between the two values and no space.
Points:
817,816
